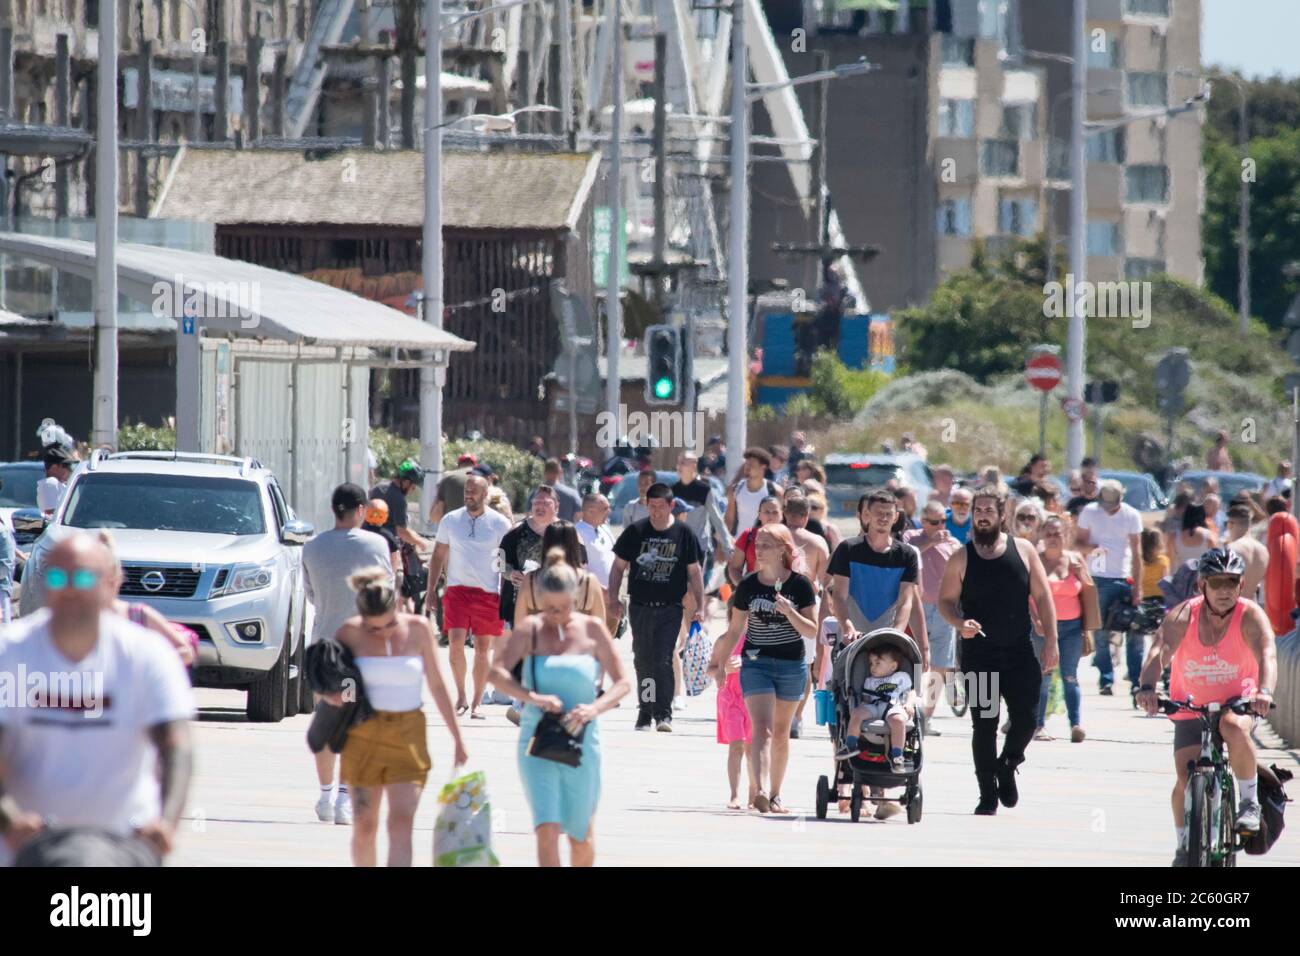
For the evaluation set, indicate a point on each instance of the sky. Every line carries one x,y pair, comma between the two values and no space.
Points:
1257,37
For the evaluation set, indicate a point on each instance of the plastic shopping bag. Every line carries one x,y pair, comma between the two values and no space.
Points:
462,836
695,662
1056,695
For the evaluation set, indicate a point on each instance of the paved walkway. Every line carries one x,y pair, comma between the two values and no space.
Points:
1101,802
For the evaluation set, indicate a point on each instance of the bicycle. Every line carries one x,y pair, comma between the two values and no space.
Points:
955,689
1210,800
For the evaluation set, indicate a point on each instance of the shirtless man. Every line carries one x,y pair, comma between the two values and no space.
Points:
1252,552
816,558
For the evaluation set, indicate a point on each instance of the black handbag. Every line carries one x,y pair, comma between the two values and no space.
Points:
551,741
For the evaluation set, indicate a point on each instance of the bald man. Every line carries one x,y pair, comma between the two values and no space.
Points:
107,744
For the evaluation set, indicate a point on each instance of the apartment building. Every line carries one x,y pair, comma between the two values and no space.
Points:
1144,186
961,134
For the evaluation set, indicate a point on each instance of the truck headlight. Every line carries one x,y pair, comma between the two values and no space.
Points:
249,577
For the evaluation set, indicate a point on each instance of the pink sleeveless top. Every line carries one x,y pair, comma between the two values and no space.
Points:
1212,674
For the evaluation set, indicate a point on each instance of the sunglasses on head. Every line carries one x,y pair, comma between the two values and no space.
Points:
82,579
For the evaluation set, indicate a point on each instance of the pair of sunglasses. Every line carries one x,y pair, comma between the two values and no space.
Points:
82,579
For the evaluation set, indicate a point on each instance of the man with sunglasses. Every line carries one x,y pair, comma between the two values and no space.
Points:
1225,653
106,744
468,543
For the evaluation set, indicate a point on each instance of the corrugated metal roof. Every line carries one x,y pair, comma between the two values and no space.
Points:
241,299
362,187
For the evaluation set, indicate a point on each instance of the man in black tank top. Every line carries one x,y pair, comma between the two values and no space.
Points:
985,596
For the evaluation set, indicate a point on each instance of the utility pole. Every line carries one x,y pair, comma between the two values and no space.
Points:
661,171
62,116
738,292
1076,343
431,377
566,67
613,310
104,413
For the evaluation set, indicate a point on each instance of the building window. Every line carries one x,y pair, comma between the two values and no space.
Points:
993,20
958,51
954,217
1146,8
1019,121
1147,184
957,118
1105,147
1018,217
91,11
1103,239
1000,157
1143,268
1107,58
1147,89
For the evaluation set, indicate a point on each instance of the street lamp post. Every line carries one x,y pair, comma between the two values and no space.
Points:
613,312
738,273
1076,341
431,378
1243,214
104,413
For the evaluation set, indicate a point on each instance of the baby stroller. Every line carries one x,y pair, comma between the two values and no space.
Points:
870,768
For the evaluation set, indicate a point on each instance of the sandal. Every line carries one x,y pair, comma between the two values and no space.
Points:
461,708
776,806
761,803
1042,734
475,715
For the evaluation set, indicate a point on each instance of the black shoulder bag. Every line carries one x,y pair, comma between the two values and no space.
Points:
550,739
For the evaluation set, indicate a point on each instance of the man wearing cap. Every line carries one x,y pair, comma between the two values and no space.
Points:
1109,533
394,492
58,469
328,561
451,490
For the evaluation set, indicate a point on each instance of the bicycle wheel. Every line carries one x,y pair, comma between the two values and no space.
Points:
1225,854
1200,829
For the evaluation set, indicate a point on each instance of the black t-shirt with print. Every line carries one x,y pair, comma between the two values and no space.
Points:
519,545
768,633
657,560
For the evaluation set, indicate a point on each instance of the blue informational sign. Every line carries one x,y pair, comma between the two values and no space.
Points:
187,325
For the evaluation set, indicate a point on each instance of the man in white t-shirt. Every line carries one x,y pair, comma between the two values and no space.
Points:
468,545
96,733
593,530
1109,532
744,497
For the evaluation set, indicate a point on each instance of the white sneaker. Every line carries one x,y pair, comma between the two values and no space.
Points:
487,698
343,810
664,726
1248,817
679,704
325,807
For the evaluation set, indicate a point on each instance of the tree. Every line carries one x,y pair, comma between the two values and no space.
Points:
1272,105
1274,220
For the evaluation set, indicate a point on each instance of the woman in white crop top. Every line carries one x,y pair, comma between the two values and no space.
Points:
396,654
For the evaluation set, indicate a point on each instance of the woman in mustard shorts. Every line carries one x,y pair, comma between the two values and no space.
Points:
387,755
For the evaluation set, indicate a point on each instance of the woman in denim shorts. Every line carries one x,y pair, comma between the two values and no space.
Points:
775,608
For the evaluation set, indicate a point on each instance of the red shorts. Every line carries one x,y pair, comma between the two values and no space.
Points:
472,609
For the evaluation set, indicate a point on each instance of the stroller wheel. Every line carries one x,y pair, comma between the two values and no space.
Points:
823,796
914,806
855,804
956,696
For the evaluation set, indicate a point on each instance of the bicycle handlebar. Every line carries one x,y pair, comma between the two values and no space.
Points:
1236,705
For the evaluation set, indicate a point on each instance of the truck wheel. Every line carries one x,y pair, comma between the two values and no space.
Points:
293,702
268,699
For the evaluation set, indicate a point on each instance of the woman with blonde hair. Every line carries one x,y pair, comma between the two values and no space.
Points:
561,651
388,754
775,607
183,639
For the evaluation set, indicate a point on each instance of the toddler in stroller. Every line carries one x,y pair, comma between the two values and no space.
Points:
887,695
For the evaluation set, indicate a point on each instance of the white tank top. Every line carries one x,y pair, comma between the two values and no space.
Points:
392,683
747,503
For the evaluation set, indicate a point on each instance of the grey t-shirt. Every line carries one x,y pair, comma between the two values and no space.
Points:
328,560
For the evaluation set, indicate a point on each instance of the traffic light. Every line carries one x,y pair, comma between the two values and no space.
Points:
663,365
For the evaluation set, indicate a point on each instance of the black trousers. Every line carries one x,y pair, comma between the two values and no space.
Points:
992,676
654,637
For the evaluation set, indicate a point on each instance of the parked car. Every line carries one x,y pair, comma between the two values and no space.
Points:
208,541
18,487
1141,491
849,476
624,493
1230,482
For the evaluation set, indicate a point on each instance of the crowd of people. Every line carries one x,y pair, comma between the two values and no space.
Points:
1009,585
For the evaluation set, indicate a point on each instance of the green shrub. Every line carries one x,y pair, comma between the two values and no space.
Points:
142,437
518,471
838,390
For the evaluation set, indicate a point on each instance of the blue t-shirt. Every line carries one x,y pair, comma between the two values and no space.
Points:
959,531
875,577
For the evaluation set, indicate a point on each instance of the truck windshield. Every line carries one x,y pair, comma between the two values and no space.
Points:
166,503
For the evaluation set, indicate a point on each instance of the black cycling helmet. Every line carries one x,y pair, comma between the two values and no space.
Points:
1220,561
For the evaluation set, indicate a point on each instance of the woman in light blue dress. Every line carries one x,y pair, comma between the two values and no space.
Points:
562,653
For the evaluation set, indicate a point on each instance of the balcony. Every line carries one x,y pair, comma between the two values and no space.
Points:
1105,187
1105,11
1105,94
965,156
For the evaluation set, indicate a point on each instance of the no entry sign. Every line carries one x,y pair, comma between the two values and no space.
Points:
1043,372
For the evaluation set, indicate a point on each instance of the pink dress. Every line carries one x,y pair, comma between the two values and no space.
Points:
733,717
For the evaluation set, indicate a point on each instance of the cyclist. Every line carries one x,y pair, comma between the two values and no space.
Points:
1230,654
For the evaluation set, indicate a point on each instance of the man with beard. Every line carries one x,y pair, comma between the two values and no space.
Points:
985,595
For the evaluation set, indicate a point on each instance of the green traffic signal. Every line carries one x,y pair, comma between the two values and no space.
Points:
664,388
